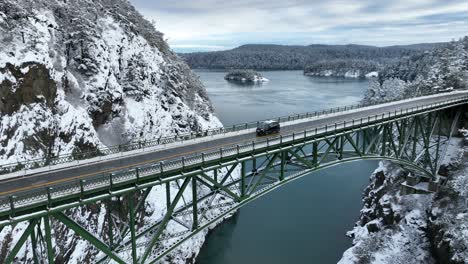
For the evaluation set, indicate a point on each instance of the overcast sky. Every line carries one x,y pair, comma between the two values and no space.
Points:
219,24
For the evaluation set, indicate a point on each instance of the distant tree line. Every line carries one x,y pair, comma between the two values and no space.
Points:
278,57
342,67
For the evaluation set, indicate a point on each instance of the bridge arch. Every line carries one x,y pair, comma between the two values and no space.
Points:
225,180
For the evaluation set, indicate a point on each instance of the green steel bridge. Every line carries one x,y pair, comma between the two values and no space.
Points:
201,178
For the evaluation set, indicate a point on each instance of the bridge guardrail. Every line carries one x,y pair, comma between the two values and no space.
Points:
103,182
143,144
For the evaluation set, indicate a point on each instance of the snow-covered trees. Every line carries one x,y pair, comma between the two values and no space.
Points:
342,68
444,68
277,57
391,89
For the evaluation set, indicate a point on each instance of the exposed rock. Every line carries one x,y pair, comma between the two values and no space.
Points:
78,75
28,83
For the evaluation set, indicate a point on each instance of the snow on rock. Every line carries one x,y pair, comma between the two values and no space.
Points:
77,75
372,74
419,228
103,68
396,228
391,226
448,221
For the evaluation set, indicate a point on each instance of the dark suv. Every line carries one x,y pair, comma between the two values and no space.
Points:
268,127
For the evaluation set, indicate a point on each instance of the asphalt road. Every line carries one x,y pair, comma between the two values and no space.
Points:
41,180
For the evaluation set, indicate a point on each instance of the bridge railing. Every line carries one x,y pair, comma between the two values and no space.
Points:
156,172
142,144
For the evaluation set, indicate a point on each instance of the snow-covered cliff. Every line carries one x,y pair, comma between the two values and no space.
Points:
80,74
417,228
75,75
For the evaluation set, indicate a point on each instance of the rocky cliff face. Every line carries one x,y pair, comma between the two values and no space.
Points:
416,228
80,74
76,75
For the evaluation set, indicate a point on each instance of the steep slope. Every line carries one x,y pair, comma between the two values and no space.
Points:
75,75
80,74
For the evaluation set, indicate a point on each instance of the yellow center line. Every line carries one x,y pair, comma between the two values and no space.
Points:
119,168
110,170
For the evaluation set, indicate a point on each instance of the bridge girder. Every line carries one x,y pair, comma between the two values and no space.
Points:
198,197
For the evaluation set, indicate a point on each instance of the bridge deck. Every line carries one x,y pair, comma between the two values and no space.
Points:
40,180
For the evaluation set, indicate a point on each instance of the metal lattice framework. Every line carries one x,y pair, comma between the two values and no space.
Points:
202,189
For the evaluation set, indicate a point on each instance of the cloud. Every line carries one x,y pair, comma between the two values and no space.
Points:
216,24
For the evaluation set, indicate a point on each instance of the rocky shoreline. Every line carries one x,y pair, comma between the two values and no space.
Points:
343,74
414,228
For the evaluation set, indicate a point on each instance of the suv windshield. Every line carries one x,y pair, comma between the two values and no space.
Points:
267,124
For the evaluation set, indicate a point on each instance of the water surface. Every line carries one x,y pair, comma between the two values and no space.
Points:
286,93
305,221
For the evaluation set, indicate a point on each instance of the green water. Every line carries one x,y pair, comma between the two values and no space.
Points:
305,221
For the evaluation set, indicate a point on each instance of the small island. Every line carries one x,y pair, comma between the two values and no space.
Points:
245,76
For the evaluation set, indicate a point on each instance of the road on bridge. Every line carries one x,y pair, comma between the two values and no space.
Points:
44,179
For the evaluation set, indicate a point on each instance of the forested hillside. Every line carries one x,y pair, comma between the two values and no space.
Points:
80,75
354,68
417,228
439,69
278,57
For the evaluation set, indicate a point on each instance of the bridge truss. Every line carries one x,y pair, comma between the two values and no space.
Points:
198,191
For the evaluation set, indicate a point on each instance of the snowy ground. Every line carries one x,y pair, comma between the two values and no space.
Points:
396,228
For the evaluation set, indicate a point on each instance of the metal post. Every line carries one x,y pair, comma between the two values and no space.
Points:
48,238
111,182
254,163
194,203
415,136
315,153
384,140
242,180
168,195
341,147
283,165
137,174
161,169
49,197
110,234
131,209
34,243
12,205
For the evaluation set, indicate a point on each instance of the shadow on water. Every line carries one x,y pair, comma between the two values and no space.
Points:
244,84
